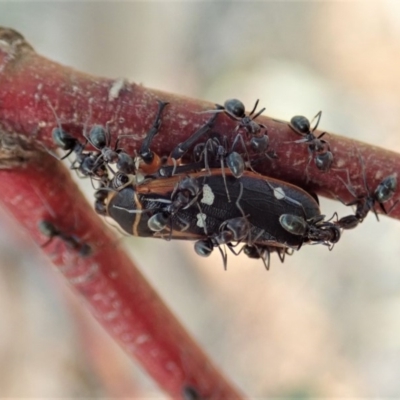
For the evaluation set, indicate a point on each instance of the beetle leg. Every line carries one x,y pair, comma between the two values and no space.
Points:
145,153
183,147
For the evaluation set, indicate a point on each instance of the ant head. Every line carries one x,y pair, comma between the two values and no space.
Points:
47,228
386,188
120,180
293,224
158,221
204,247
190,186
99,205
126,163
235,228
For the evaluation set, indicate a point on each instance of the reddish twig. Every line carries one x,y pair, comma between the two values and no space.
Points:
30,88
35,187
117,293
31,85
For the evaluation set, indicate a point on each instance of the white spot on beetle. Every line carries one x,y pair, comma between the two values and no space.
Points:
201,219
208,195
279,193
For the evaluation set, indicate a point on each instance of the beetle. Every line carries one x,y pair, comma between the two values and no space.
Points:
317,147
196,207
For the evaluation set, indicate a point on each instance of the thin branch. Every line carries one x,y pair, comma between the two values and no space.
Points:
118,295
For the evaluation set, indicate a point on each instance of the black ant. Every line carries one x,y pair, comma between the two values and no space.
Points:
318,147
235,110
264,252
100,138
214,153
314,230
85,162
366,201
190,393
48,229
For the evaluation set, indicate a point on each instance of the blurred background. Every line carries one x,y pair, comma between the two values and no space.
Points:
323,324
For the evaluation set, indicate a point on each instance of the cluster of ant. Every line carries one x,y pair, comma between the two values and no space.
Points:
215,198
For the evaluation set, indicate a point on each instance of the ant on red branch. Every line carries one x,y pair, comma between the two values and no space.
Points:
85,163
100,138
235,110
365,202
48,229
317,147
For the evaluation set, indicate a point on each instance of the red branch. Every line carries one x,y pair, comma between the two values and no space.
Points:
118,295
29,83
36,188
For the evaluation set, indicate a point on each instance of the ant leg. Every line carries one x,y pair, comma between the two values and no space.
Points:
238,200
310,157
220,109
224,179
224,256
248,164
390,209
86,124
363,171
303,140
348,186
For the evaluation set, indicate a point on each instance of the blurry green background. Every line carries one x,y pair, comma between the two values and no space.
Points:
323,324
